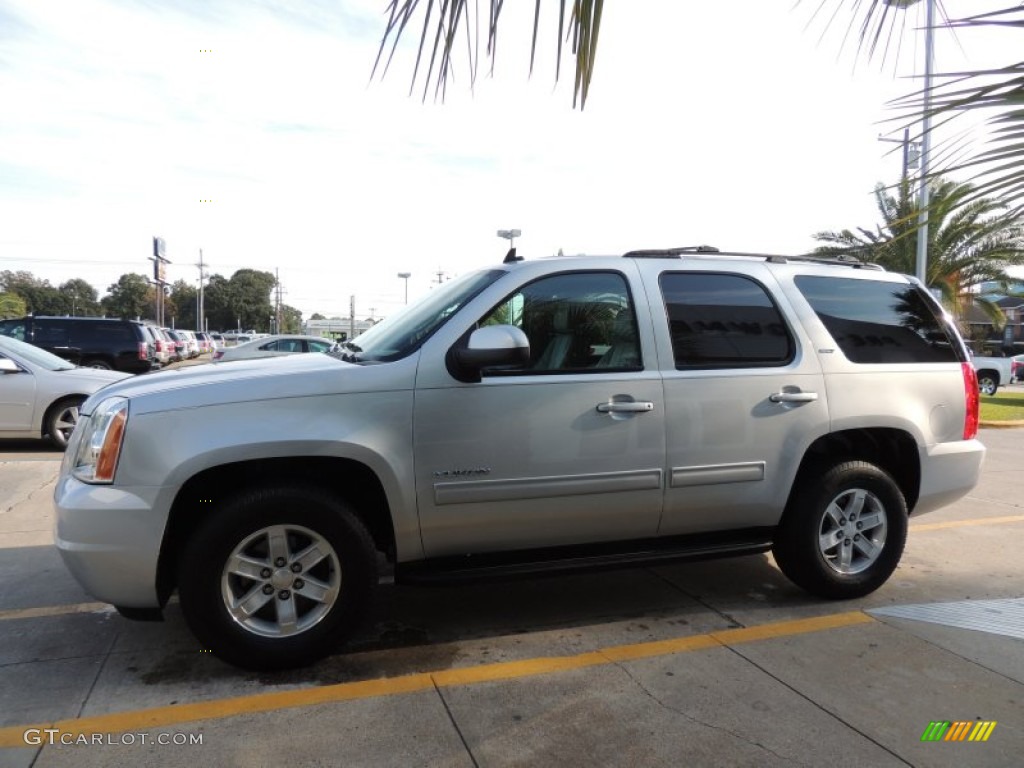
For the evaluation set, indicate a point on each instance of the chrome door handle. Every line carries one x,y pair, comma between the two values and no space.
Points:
793,397
625,407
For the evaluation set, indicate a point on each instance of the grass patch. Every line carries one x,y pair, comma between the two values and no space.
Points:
1003,406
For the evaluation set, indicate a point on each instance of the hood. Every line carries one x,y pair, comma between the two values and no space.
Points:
245,380
98,377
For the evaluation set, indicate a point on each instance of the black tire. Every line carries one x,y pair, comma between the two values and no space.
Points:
819,513
61,420
98,362
988,382
302,517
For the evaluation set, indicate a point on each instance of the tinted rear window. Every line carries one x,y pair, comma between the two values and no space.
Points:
51,333
723,321
103,332
880,322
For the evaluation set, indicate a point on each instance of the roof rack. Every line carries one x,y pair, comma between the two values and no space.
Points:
838,259
661,253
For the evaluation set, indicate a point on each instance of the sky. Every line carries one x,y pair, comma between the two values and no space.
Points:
251,130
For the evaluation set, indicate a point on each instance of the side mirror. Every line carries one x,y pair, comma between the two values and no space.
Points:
8,366
488,347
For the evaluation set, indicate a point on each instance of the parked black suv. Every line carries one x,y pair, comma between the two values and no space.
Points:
93,342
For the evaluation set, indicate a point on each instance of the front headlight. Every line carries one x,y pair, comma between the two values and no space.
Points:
99,447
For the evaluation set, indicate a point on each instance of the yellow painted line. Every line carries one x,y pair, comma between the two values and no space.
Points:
967,523
179,714
55,610
786,628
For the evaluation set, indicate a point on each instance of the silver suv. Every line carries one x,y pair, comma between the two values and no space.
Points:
556,413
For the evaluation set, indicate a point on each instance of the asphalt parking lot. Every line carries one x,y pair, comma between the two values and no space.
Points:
714,663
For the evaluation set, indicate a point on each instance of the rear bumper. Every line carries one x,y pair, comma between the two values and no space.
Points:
949,471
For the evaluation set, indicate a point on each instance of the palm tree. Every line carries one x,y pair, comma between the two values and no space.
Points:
878,25
971,242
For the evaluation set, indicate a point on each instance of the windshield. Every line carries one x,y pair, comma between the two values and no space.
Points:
404,332
34,355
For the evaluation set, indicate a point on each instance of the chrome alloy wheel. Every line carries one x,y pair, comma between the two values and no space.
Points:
281,581
852,532
64,423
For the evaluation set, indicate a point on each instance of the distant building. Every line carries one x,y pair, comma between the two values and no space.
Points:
335,328
1011,338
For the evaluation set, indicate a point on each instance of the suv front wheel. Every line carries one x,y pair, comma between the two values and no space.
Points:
277,577
843,531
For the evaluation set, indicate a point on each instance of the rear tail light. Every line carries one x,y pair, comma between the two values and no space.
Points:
143,351
971,400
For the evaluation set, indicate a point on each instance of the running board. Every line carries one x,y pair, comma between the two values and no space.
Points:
504,565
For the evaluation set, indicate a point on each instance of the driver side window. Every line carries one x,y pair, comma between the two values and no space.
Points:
576,322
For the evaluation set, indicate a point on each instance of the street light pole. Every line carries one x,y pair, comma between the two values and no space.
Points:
923,197
405,276
926,144
510,235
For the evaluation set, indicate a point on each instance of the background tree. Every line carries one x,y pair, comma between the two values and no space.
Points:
80,298
971,241
12,305
249,290
39,296
220,310
241,301
183,296
291,320
317,316
129,297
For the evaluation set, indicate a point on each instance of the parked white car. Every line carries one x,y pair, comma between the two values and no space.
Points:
273,346
193,343
993,372
40,393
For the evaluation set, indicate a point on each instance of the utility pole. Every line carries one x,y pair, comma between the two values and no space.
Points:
200,299
440,275
351,317
911,153
277,299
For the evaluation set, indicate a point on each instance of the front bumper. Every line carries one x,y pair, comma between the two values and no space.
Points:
109,539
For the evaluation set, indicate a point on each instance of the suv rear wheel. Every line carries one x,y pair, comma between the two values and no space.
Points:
843,532
98,362
277,577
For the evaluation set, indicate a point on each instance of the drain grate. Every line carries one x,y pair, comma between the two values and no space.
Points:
998,617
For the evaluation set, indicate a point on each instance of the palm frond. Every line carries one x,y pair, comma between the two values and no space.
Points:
440,31
998,168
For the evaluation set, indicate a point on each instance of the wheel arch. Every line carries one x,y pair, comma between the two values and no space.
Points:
347,478
49,410
892,450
